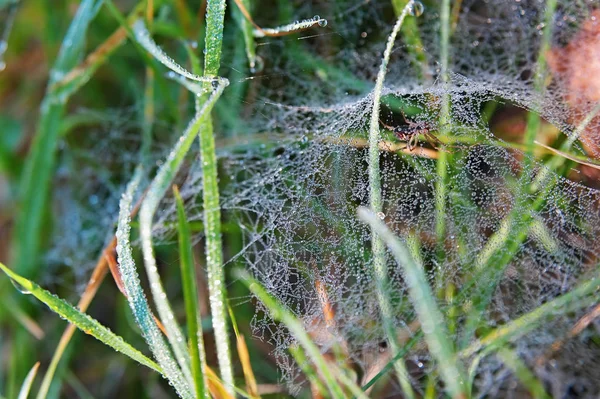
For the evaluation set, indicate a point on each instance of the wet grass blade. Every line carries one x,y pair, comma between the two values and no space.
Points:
136,298
215,15
84,322
432,322
190,295
376,205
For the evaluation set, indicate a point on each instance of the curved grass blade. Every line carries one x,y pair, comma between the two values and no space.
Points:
84,322
26,387
432,320
376,205
137,299
190,295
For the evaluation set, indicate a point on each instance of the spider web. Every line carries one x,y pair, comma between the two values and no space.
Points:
294,175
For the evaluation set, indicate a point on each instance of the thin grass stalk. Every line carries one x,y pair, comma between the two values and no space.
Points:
190,295
215,14
376,204
441,184
432,321
247,33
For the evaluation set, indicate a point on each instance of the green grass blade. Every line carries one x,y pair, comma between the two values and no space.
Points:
39,165
432,320
215,14
246,28
190,295
84,322
160,185
443,161
137,299
520,370
26,387
278,312
376,204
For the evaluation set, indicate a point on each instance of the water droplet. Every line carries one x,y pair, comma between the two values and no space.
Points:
381,215
20,288
416,9
322,23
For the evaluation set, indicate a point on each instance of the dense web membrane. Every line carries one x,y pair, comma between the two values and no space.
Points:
296,195
514,231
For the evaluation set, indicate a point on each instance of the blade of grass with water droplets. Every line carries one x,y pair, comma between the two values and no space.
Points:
137,299
432,321
215,15
158,188
376,205
83,321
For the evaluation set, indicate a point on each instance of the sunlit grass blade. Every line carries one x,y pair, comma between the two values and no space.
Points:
26,387
84,322
443,161
137,299
432,321
520,370
190,295
39,165
278,312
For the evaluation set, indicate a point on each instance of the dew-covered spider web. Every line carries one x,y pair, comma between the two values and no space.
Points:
500,227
